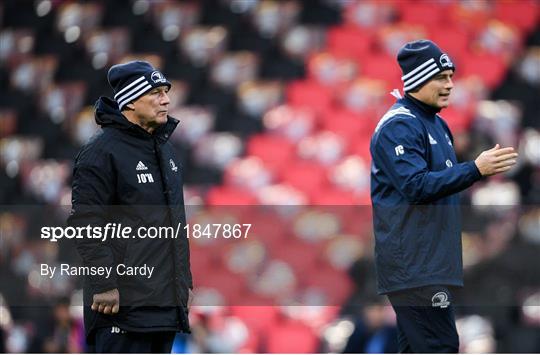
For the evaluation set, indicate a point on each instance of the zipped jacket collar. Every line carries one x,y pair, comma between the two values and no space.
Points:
427,109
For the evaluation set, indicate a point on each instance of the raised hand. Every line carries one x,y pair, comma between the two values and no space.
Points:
496,160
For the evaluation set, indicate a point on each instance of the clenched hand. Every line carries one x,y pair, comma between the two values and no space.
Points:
107,302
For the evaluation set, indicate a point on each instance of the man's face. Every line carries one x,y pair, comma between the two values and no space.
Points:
436,92
152,108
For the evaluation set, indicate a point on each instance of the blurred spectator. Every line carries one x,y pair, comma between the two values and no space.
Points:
67,334
15,46
529,66
201,45
273,17
290,122
172,18
374,331
107,47
196,123
256,98
34,74
324,147
301,41
476,335
6,323
232,69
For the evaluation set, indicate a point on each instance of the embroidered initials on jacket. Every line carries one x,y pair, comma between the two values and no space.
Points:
145,178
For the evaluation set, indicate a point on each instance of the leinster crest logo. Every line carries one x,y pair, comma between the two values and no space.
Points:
173,165
445,61
440,299
157,77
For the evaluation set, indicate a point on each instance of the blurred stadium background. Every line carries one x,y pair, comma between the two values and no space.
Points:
277,101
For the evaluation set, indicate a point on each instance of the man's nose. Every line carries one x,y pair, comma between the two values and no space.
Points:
165,100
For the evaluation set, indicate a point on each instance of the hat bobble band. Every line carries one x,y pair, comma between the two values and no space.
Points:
141,86
420,74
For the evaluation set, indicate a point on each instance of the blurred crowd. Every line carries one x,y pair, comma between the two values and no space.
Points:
277,101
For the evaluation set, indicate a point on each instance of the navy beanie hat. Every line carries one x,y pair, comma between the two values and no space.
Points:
132,80
420,61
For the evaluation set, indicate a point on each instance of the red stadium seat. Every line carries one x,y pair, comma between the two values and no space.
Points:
200,260
427,13
265,229
491,68
523,14
381,66
231,286
335,284
360,147
349,41
457,120
332,70
334,197
301,256
291,336
221,195
309,94
259,317
454,41
350,125
472,18
306,176
359,220
274,151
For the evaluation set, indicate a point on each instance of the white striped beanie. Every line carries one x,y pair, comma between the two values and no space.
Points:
132,80
420,61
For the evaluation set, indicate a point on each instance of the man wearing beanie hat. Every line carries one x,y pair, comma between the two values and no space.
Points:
415,181
127,177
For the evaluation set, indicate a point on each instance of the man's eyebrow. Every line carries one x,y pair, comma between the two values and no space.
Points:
441,75
158,89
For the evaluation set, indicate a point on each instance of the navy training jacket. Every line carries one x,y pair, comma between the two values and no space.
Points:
415,178
125,175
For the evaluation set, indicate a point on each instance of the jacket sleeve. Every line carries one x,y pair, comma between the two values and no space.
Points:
92,193
399,151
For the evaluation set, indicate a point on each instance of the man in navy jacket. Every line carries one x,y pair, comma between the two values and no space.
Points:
127,174
415,180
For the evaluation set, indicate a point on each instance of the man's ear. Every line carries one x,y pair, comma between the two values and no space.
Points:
129,106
